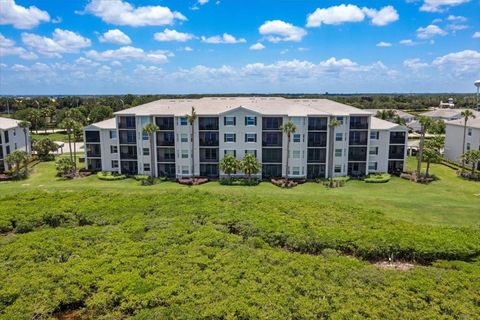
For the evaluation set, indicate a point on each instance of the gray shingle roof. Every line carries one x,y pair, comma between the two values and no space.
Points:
6,123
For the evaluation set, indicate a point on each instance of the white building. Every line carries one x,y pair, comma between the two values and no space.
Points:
361,144
444,114
454,137
12,138
405,116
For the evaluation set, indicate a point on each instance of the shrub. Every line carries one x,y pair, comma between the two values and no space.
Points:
239,182
284,183
65,167
336,182
192,181
149,181
110,176
140,177
378,178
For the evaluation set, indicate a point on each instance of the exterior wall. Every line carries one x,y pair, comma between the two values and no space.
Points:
16,142
381,158
454,138
342,160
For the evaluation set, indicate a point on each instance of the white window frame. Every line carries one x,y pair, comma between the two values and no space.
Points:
231,118
250,134
230,134
182,136
184,154
247,118
297,135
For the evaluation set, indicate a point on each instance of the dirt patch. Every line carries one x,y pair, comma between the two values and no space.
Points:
399,266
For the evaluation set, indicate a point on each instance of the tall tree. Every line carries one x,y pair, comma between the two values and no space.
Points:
472,157
69,124
25,125
34,116
331,146
425,123
191,118
150,129
466,114
289,129
431,152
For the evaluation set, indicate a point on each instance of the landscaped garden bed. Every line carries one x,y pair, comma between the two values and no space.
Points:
378,178
239,182
110,176
287,183
192,181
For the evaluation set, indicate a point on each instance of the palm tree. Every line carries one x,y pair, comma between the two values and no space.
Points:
288,128
466,114
250,165
332,125
25,125
229,165
192,117
150,129
425,123
16,159
472,157
34,117
69,125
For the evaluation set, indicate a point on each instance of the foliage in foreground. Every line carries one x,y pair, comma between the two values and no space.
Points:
194,254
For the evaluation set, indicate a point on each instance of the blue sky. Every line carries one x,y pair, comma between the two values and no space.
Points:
227,46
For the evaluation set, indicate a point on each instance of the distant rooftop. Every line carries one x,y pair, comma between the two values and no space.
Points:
379,124
261,105
442,113
400,113
105,124
7,123
472,123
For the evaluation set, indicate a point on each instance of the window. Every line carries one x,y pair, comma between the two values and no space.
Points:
250,137
145,136
15,146
338,152
113,149
254,152
340,120
296,171
373,151
296,154
338,168
184,137
146,151
250,121
469,131
114,164
374,135
183,121
184,154
7,139
185,170
297,137
231,152
229,137
229,121
468,146
15,133
297,121
113,134
339,136
146,167
372,166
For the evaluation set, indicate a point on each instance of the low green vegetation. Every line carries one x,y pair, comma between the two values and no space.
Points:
56,136
378,178
108,176
96,249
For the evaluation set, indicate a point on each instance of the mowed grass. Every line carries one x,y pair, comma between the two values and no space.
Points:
447,201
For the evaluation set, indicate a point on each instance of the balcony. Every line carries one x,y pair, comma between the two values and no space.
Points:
358,138
208,155
272,155
271,123
208,139
316,155
166,170
126,123
93,151
165,154
208,123
92,136
317,139
272,139
128,137
166,139
397,137
357,154
396,152
165,123
128,153
359,123
317,124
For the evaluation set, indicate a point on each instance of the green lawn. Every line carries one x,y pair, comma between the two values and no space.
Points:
91,249
56,136
449,201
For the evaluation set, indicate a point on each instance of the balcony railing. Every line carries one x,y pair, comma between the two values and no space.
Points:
208,139
357,154
317,124
128,156
358,138
396,152
165,139
317,140
272,139
359,123
397,138
126,123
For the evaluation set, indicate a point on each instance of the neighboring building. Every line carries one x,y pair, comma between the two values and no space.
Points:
454,137
448,104
444,114
407,117
245,125
12,138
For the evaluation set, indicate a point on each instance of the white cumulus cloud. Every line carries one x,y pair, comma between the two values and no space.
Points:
278,30
415,64
172,35
257,46
225,38
8,48
476,35
129,53
383,44
115,36
123,13
440,5
62,41
430,31
345,13
21,17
